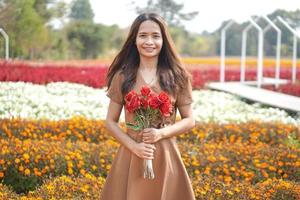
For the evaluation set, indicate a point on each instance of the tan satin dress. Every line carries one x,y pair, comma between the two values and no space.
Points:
125,180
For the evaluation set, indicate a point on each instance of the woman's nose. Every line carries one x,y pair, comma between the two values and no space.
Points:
149,40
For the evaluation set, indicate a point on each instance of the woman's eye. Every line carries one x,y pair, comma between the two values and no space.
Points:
156,36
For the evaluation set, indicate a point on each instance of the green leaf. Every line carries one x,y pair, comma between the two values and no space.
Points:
133,126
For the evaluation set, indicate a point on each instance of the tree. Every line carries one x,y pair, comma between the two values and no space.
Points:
86,39
81,10
50,9
169,10
24,26
26,22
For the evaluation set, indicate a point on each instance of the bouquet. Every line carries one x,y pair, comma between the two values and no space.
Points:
148,108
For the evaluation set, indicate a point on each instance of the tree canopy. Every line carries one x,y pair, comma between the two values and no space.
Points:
33,34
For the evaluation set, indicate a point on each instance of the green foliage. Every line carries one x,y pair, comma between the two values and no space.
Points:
169,10
26,29
32,36
192,44
292,141
86,39
81,10
283,194
19,182
25,21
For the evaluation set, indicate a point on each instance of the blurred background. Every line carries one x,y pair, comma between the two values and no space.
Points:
91,29
53,140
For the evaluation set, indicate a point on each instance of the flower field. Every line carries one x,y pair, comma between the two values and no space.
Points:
54,144
87,73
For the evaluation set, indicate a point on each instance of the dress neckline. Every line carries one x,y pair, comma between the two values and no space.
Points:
151,84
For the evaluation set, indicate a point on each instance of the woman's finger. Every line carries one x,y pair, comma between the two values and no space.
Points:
148,157
150,146
147,130
148,154
147,138
147,134
149,150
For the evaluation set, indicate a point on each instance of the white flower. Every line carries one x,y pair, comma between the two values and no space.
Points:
62,100
224,108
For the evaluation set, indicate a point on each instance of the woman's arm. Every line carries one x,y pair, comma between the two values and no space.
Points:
142,150
152,135
186,123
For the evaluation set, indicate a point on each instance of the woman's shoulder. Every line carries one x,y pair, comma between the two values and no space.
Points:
118,76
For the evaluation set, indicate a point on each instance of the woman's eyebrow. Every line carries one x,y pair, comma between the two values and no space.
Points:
158,33
144,32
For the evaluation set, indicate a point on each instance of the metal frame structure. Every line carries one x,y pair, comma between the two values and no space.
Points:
295,35
261,33
278,47
259,52
223,49
6,38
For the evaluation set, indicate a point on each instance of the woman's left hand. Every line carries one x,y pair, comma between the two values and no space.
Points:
151,135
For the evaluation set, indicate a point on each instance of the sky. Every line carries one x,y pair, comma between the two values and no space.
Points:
211,12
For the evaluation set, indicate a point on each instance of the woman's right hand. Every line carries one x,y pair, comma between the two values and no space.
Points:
144,151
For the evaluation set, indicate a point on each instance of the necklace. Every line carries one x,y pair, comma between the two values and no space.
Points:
150,82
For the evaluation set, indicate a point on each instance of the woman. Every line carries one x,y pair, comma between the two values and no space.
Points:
149,58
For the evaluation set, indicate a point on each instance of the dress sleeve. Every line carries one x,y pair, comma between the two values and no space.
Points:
114,92
184,96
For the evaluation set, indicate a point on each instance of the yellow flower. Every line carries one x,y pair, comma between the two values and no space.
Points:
82,171
70,171
21,168
229,192
38,173
227,179
84,188
27,172
237,189
271,168
264,165
217,191
94,167
26,156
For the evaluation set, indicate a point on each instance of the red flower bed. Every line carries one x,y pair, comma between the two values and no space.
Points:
94,74
42,74
204,75
292,89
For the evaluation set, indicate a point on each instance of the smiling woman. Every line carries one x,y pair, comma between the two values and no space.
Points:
148,164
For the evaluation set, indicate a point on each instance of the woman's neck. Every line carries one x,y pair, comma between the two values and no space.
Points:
148,64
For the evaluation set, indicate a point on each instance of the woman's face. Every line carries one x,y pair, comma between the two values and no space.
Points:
149,39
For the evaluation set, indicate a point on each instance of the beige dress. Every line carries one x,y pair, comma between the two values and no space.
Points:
125,180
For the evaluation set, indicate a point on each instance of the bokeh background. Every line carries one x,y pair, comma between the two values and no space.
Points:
53,141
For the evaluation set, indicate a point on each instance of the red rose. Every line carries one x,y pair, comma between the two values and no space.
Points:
132,101
154,102
166,109
130,95
145,91
163,97
144,102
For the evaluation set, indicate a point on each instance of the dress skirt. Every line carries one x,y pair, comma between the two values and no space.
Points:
125,180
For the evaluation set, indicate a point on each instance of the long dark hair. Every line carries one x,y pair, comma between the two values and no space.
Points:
172,75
